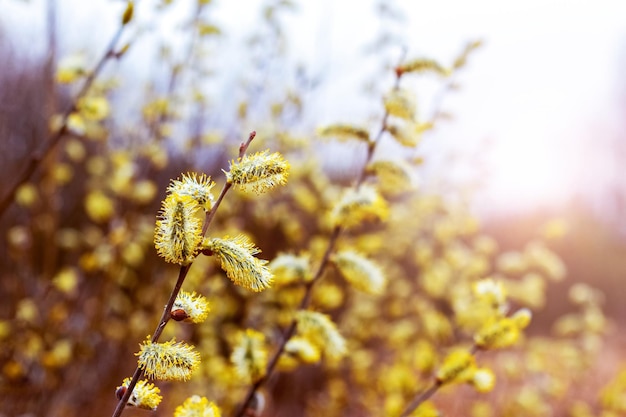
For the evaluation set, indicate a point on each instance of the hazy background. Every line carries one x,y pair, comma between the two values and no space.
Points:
542,102
536,130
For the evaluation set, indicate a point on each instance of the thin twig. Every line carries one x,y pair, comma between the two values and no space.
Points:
165,317
425,395
420,398
383,127
47,147
184,269
172,84
306,299
291,330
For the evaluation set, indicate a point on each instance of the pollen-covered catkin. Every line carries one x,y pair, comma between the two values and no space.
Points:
178,231
236,256
175,361
190,307
359,206
322,332
259,172
250,355
145,395
288,268
197,186
458,366
344,132
196,406
362,273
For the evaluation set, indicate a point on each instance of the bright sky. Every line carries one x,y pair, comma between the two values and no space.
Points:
543,91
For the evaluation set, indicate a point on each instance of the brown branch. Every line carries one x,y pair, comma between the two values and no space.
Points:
165,317
425,395
420,398
182,274
306,300
175,73
49,145
291,330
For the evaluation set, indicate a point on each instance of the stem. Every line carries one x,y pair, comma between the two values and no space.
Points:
383,127
291,330
306,300
420,398
165,317
39,156
211,214
185,61
425,395
49,188
182,274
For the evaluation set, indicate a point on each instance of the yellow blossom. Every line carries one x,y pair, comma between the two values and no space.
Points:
71,68
190,307
483,380
407,132
322,332
236,256
362,273
344,132
99,207
168,361
259,172
288,268
421,65
303,350
178,231
197,186
502,332
145,395
458,366
359,206
250,355
93,108
401,103
393,175
196,406
66,280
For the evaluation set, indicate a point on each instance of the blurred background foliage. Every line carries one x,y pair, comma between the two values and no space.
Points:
82,285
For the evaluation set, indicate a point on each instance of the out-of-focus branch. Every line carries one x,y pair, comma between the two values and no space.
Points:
50,144
308,295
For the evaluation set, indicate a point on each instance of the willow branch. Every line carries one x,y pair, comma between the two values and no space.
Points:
49,145
182,274
306,299
420,398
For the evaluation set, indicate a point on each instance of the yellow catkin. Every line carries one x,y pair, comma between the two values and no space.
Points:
236,256
178,231
196,406
288,268
322,332
175,361
250,355
359,206
422,65
259,172
145,395
344,132
197,186
362,273
458,366
190,307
